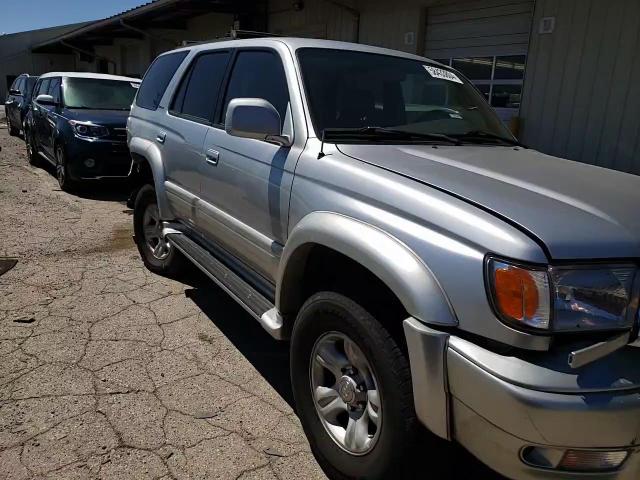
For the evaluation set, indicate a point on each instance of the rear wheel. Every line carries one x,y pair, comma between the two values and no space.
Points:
13,131
158,254
32,156
352,388
65,181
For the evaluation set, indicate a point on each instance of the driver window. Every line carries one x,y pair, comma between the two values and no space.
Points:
54,89
270,84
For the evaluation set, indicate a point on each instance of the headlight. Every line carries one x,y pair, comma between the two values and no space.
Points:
88,130
563,299
592,297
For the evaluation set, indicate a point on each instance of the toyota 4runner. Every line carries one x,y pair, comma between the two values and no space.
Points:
428,269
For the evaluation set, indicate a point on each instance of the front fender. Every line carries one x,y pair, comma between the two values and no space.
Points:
385,256
144,149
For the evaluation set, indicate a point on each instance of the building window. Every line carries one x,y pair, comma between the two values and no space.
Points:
499,78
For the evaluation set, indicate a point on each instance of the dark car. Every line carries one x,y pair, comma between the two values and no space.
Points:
77,122
17,103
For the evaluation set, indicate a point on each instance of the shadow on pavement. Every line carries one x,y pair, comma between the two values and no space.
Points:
435,458
269,357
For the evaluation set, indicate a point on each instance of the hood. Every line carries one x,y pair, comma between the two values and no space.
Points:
108,118
578,211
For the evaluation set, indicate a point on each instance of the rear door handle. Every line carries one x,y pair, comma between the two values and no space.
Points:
212,156
162,136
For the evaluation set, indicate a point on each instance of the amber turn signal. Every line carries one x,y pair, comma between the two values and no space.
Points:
520,294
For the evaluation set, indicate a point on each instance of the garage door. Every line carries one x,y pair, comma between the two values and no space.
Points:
487,40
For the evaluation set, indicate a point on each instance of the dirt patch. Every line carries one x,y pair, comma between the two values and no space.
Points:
121,239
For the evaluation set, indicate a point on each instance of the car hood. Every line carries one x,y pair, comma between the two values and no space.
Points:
108,118
579,211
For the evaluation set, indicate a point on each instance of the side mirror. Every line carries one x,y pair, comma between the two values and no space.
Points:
45,100
14,91
255,118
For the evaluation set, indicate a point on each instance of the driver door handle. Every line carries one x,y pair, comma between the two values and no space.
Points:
212,156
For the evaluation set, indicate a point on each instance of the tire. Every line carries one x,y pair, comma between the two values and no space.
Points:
169,262
13,132
389,441
67,184
32,155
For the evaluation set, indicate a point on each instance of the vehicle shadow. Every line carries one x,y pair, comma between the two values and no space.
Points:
99,190
434,458
269,357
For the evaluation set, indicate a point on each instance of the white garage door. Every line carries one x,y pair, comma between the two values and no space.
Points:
487,40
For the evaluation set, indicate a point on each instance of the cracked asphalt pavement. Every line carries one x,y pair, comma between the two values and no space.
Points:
108,371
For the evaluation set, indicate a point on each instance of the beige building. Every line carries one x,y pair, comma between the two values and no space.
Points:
563,73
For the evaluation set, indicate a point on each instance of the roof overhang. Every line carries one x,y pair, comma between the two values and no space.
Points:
158,14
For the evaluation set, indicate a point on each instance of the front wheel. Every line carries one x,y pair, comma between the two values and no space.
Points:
65,181
13,131
352,387
32,155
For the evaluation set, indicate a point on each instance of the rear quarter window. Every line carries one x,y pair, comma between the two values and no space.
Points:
157,79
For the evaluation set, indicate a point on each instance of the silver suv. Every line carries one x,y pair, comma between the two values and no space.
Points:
428,269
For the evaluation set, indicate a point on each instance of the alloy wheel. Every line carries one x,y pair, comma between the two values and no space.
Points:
152,228
346,393
29,144
61,170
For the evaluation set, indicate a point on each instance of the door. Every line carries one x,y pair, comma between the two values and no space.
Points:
488,42
190,114
40,112
245,182
50,116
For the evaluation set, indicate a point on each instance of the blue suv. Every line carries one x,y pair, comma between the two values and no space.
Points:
77,122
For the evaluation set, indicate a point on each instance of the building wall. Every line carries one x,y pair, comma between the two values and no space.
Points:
16,58
582,85
317,19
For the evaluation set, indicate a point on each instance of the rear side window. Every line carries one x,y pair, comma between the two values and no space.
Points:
157,78
259,74
198,92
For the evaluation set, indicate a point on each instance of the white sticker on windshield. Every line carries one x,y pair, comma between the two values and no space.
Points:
135,85
442,74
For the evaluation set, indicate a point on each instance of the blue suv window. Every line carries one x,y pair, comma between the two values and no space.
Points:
157,79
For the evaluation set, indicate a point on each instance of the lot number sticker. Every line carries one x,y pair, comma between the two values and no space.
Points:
442,74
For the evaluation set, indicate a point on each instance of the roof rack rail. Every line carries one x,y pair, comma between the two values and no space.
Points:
233,34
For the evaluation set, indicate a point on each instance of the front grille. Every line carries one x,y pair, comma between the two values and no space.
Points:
118,134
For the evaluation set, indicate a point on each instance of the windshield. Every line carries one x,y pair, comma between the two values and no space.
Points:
98,94
353,90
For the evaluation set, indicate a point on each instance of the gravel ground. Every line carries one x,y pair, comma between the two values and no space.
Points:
109,371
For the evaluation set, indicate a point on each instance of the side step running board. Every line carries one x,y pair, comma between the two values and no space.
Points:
248,297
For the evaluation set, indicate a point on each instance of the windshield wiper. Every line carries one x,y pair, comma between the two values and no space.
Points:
482,136
382,133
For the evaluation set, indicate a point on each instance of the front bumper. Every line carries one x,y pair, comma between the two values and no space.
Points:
496,406
111,159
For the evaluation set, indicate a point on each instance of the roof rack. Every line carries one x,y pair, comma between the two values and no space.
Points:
233,34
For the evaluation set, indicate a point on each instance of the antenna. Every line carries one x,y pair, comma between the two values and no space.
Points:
321,154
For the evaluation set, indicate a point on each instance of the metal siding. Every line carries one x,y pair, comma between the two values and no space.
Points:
318,19
496,27
582,86
619,99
